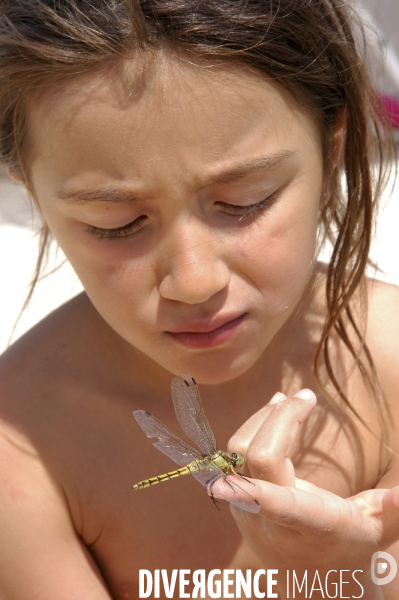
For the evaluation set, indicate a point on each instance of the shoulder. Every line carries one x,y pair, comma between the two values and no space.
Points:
57,341
52,332
40,369
28,370
382,338
60,380
36,513
48,389
383,326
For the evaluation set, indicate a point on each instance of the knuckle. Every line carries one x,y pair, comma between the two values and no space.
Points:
264,458
293,409
237,444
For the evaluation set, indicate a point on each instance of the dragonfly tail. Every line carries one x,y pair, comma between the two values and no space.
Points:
165,477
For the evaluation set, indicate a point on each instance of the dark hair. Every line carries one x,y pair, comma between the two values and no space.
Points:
308,46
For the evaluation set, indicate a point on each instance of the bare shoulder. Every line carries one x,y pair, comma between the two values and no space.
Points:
33,376
51,336
47,372
383,342
43,547
55,347
44,377
383,326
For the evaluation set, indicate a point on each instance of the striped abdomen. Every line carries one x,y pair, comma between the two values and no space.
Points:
192,467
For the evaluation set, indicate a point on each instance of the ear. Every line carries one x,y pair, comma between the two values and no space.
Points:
338,138
12,175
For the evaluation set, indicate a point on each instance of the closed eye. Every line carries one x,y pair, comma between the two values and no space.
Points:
250,210
117,232
243,212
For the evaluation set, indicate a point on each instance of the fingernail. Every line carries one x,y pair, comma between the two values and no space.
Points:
277,398
305,394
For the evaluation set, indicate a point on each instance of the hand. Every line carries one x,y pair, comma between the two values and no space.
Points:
300,526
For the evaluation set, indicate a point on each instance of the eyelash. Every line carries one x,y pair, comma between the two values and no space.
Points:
117,232
238,211
251,210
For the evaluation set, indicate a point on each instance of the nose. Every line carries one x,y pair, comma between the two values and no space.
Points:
194,270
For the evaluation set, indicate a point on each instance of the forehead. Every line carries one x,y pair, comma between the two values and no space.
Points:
191,115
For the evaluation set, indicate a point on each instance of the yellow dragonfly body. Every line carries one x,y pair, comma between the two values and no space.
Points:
222,460
207,465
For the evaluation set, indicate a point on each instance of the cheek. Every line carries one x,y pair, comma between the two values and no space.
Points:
125,295
280,259
119,286
124,292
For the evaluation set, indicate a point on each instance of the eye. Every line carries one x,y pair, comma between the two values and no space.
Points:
250,210
117,232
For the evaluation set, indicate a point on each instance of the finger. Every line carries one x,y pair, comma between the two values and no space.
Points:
230,488
240,441
307,513
280,505
267,455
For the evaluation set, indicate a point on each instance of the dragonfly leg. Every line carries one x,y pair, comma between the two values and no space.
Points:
209,485
242,476
216,502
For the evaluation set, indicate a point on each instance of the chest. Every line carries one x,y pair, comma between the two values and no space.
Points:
173,524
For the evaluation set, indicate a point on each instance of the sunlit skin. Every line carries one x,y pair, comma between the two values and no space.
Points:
187,200
193,258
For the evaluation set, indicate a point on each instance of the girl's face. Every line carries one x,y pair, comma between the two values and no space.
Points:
187,202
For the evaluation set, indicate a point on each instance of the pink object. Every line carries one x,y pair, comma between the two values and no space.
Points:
391,106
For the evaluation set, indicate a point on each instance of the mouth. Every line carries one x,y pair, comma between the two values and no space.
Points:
207,334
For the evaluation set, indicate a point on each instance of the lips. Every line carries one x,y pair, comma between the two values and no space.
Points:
206,334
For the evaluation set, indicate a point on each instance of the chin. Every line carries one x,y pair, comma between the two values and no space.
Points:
213,370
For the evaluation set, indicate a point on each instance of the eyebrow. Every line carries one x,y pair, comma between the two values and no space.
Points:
119,196
110,195
266,163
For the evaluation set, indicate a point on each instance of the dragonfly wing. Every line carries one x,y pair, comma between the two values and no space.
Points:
240,498
190,414
168,443
210,473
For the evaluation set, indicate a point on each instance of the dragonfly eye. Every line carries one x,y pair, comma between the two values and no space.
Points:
237,458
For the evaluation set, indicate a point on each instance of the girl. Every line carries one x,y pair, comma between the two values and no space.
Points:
190,158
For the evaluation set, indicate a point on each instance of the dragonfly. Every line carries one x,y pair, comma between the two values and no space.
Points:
208,464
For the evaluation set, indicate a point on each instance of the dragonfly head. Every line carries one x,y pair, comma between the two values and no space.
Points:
237,459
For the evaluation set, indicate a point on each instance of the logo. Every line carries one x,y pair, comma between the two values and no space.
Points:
383,563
